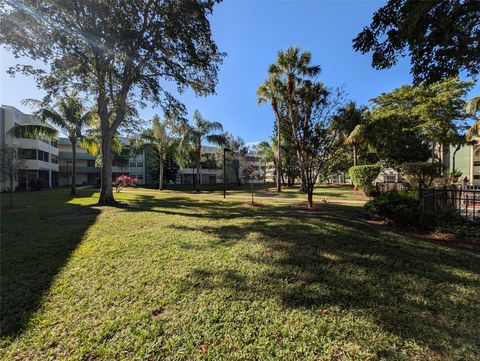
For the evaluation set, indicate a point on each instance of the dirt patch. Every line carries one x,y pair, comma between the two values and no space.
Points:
306,210
158,313
250,204
445,238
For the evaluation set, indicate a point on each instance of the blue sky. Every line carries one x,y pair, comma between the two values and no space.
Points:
252,33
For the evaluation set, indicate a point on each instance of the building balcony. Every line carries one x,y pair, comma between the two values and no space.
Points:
80,155
63,169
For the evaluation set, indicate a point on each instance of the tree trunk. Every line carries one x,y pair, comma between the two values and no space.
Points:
11,192
310,197
73,189
194,181
279,160
160,176
199,176
106,192
354,155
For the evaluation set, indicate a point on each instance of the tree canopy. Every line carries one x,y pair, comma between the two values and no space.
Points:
441,37
118,51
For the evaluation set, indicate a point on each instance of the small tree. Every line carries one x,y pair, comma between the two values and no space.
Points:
362,176
421,174
248,174
10,166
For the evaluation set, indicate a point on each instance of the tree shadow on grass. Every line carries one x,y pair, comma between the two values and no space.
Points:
410,288
36,244
413,289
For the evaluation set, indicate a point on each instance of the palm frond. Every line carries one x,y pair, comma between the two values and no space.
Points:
91,145
474,131
34,130
473,105
52,117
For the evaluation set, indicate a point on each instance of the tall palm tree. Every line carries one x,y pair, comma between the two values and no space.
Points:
292,67
355,138
161,141
194,134
270,90
70,115
292,64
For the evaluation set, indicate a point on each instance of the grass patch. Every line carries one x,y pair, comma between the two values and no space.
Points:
333,192
183,277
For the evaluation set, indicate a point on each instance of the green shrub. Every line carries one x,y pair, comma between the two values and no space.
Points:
421,174
399,208
362,177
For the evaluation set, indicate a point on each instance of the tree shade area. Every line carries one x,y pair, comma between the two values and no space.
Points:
183,276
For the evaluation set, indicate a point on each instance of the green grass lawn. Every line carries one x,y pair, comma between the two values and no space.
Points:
333,192
182,277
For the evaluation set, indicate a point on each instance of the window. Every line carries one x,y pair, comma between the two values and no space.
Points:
132,164
90,163
54,143
140,164
54,159
43,155
476,163
389,179
476,176
27,154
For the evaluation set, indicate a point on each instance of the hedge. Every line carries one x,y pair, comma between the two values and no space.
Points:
362,177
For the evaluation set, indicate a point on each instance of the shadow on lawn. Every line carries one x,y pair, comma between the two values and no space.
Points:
36,244
410,288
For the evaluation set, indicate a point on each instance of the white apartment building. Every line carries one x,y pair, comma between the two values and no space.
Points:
40,156
211,173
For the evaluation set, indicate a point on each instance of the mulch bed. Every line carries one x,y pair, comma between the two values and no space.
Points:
445,238
250,204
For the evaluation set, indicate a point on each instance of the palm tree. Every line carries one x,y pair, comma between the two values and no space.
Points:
355,138
161,141
193,135
350,121
472,107
69,115
292,67
270,91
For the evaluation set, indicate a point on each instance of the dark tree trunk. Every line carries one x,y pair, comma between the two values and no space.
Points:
11,192
106,191
73,189
279,160
310,197
160,176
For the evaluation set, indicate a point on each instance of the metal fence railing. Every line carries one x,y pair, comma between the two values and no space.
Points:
389,187
465,200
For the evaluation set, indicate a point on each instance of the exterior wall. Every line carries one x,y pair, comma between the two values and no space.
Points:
33,168
466,161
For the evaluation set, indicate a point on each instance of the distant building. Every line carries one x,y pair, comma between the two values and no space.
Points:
40,155
52,160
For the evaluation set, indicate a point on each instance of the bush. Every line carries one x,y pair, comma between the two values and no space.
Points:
402,209
125,181
421,174
37,184
362,177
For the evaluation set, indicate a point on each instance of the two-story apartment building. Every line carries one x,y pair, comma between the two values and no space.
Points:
40,156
